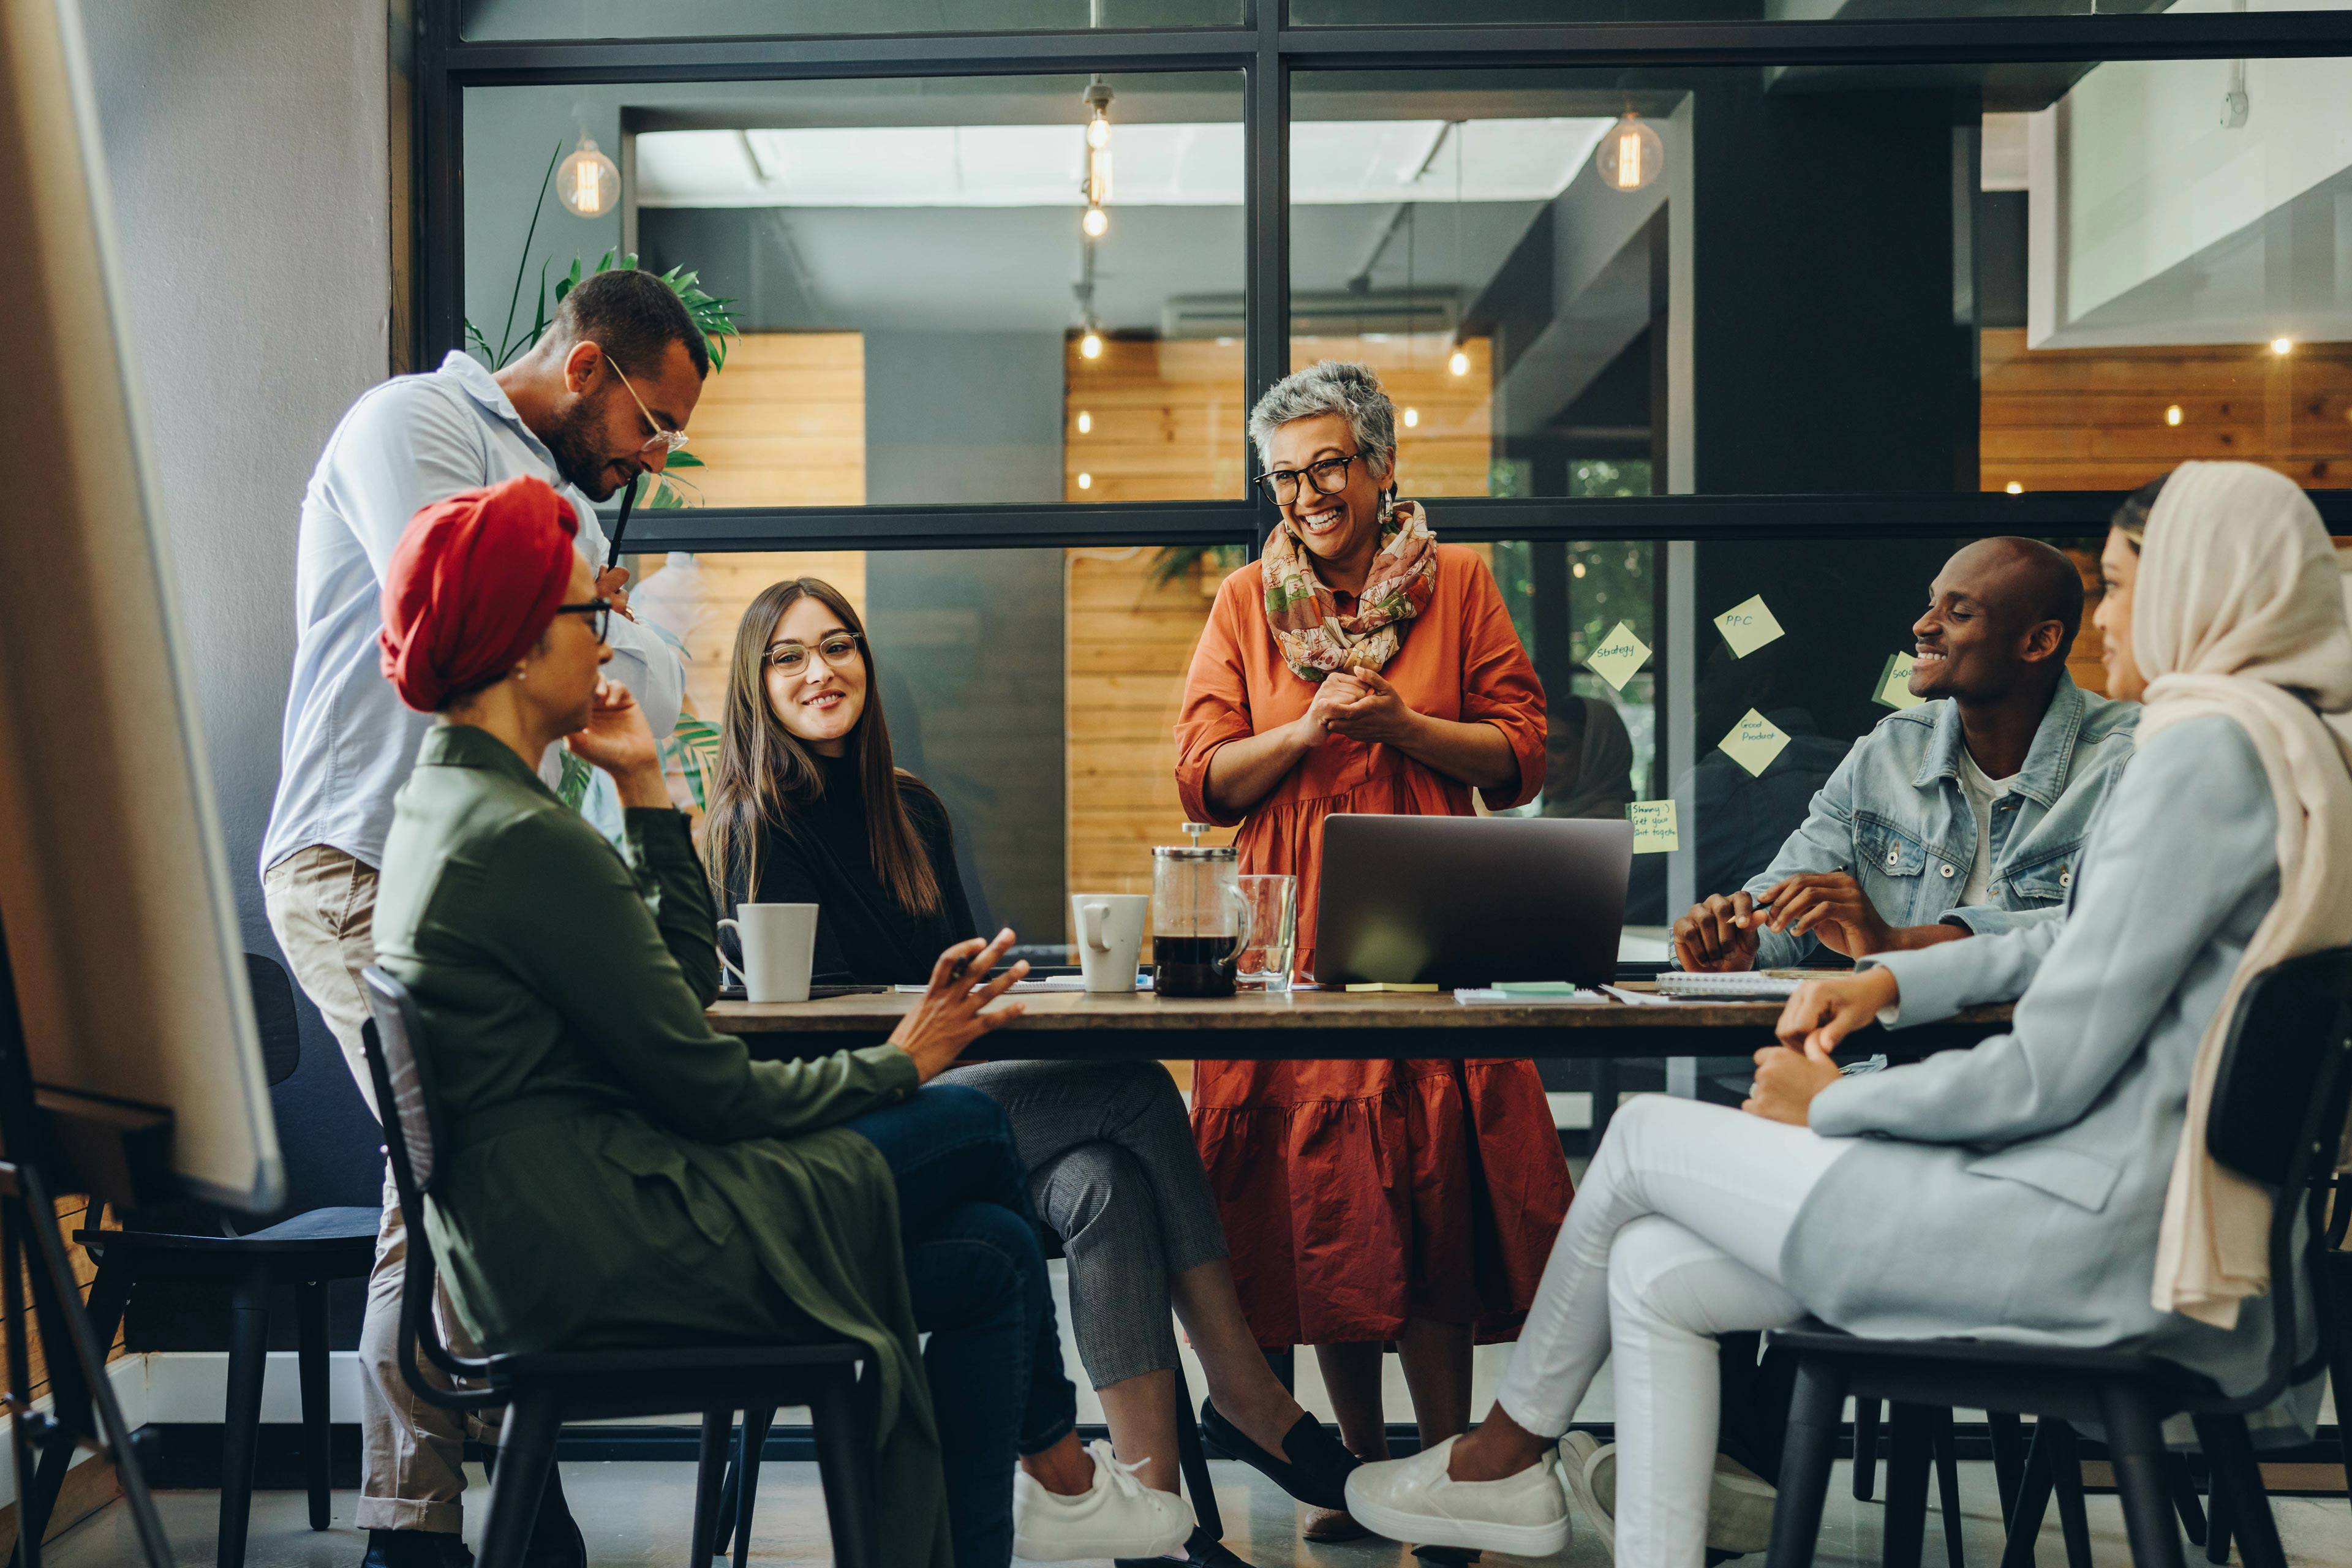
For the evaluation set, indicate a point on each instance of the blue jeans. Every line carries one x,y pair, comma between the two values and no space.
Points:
978,1279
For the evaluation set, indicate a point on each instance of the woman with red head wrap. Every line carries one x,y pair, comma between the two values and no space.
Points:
622,1175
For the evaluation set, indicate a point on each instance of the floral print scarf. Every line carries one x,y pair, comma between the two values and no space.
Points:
1314,638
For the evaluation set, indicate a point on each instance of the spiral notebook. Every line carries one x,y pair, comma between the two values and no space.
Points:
1747,985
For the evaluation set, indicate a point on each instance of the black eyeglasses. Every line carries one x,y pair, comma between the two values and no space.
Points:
1327,478
601,609
839,650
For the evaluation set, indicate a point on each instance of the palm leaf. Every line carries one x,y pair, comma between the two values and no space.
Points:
572,789
693,750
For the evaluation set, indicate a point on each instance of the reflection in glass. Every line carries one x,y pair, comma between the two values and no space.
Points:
737,18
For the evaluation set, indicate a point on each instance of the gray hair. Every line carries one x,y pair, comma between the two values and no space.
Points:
1330,386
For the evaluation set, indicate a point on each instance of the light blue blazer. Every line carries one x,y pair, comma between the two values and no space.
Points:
2014,1192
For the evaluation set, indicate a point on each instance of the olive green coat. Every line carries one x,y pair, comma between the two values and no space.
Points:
616,1174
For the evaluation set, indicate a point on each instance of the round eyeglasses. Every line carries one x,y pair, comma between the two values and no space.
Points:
839,650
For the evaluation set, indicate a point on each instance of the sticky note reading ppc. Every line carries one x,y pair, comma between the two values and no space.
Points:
1747,626
1653,827
1753,742
1894,688
1619,657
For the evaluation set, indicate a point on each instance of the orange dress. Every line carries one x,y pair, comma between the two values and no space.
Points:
1357,1194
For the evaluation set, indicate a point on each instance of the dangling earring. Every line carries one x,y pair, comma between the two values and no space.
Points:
1388,508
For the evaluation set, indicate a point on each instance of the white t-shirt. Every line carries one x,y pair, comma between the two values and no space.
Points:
1982,793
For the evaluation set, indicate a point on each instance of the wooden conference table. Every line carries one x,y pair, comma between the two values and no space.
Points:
1064,1025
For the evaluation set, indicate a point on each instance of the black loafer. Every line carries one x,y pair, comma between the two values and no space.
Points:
555,1538
1202,1551
1316,1473
416,1549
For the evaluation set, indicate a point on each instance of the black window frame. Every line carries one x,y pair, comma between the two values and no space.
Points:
1268,50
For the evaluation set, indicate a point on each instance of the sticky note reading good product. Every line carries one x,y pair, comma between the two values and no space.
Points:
1747,626
1894,688
1619,657
1653,827
1753,742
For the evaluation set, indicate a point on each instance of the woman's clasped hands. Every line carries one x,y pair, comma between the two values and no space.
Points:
949,1017
1817,1015
1361,705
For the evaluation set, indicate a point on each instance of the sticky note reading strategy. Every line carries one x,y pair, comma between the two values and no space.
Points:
1747,626
1619,657
1653,827
1753,742
1894,688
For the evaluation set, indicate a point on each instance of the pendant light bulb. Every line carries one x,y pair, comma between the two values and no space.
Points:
1630,156
1097,223
1090,345
1098,130
1412,418
587,182
1460,364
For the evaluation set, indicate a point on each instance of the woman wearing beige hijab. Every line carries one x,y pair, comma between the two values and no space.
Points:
2049,1186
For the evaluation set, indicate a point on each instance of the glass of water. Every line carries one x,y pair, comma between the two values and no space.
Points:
1274,929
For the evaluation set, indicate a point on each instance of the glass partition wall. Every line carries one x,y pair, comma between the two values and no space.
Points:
1777,305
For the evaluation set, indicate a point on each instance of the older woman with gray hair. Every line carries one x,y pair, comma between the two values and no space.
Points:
1360,666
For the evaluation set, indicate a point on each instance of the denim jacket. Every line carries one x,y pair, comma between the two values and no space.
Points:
1894,816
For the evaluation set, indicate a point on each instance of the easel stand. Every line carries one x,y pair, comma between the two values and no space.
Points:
84,1411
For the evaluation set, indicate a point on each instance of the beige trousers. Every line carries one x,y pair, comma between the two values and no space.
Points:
322,906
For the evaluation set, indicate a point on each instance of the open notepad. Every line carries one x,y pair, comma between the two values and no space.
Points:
1764,984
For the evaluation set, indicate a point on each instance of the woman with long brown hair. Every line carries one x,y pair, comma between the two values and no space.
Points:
809,808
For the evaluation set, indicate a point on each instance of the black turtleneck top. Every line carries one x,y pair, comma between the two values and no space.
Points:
823,857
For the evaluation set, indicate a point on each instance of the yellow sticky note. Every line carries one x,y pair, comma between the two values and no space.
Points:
1653,827
1894,689
1619,657
1753,742
1747,626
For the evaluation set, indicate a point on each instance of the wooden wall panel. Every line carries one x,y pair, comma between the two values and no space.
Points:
2094,418
784,423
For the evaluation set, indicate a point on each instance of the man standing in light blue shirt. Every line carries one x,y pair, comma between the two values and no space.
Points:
603,396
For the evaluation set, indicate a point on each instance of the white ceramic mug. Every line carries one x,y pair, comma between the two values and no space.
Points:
779,944
1110,937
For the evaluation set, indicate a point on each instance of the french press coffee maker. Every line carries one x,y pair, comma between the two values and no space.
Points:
1200,922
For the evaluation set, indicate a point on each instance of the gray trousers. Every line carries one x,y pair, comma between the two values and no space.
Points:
1114,1172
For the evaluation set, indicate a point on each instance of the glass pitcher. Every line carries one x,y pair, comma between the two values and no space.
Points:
1199,923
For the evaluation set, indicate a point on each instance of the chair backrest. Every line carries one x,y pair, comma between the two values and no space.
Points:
2278,1111
273,1014
392,1037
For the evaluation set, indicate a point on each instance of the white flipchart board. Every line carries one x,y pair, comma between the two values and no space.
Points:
114,889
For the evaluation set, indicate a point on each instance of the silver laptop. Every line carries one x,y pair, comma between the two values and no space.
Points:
1471,901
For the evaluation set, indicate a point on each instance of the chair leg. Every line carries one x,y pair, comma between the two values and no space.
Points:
108,1294
844,1462
1905,1521
2008,1435
311,1326
1948,1483
2136,1448
1193,1461
248,1359
2237,1473
2032,1505
2185,1499
747,1483
1816,1412
722,1528
526,1454
2064,1455
1865,1448
710,1462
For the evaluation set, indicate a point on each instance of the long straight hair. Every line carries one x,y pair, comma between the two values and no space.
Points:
768,777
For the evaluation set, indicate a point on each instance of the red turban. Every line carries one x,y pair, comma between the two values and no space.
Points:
474,583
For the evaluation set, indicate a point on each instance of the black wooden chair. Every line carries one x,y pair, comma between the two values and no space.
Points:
303,1252
541,1392
734,1506
2277,1114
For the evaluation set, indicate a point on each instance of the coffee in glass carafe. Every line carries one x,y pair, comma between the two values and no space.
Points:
1199,923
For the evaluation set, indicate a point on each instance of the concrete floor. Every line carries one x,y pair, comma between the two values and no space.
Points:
637,1514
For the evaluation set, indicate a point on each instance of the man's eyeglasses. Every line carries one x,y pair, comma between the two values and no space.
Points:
839,650
1327,478
598,611
668,440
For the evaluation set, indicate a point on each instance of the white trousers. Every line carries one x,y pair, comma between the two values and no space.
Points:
1674,1238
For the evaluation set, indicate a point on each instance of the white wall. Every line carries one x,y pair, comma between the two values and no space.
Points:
248,150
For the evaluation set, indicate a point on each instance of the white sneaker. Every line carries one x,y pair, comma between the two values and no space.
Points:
1738,1504
1117,1516
1413,1500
